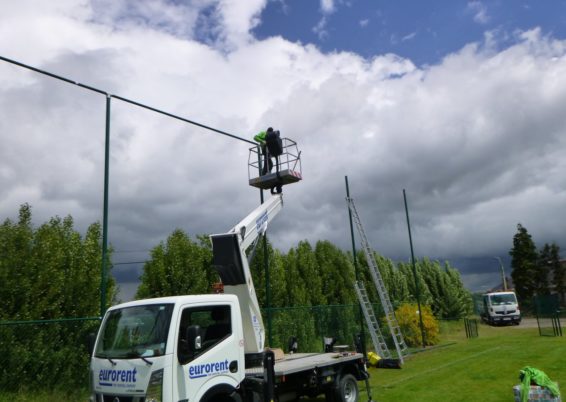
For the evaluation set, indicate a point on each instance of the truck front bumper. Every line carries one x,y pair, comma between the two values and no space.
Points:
506,319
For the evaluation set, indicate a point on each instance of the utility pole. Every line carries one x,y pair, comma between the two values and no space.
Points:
503,278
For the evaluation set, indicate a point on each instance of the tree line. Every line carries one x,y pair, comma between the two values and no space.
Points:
535,272
303,281
53,272
306,275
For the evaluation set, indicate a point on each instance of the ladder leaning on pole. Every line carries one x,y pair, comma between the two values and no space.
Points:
373,326
400,344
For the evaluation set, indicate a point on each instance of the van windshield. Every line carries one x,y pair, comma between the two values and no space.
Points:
497,300
133,332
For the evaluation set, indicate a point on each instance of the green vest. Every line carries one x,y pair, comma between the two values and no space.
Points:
260,137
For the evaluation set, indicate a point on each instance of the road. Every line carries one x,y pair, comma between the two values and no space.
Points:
527,323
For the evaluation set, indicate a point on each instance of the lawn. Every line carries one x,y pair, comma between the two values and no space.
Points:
480,369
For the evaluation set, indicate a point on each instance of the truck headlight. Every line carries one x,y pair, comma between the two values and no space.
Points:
155,388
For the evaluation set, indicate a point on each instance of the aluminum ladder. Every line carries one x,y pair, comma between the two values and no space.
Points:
396,334
377,338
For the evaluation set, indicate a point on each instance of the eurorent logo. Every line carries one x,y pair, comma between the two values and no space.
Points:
261,221
208,369
110,377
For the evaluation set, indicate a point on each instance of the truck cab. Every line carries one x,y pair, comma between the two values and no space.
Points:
182,348
191,348
501,308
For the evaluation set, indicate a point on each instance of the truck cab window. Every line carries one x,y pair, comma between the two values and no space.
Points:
138,331
215,325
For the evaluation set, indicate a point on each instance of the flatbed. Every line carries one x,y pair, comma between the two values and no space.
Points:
300,362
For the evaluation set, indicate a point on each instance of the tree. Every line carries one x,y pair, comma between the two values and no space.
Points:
297,293
310,273
337,273
49,272
178,266
436,283
524,260
395,281
457,301
409,322
544,263
550,256
424,293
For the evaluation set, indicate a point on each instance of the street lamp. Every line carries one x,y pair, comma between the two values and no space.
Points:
502,273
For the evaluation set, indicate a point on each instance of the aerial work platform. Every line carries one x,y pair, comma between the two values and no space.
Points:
274,179
286,167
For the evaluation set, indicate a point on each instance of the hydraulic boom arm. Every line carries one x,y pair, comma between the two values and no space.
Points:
230,260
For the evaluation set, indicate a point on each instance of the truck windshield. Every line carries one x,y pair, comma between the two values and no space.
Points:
133,332
508,298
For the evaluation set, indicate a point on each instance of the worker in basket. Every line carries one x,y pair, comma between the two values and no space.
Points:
271,145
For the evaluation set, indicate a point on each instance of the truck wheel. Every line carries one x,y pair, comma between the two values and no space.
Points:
226,398
347,390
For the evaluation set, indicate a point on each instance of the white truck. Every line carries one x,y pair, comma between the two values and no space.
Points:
212,347
500,308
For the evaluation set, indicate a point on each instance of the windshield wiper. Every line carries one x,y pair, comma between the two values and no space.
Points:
103,356
137,355
146,360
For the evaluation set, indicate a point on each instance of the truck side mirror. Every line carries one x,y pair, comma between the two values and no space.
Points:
189,344
194,340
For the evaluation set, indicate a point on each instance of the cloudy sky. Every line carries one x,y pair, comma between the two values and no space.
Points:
459,103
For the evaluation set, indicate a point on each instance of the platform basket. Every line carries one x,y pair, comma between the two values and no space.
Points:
289,169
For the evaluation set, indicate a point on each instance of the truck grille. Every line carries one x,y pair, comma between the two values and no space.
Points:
508,312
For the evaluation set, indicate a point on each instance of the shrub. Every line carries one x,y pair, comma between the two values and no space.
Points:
408,319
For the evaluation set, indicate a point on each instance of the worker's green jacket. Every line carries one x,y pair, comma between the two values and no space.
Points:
260,137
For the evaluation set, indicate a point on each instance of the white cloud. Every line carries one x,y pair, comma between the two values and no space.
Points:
408,37
480,12
237,18
327,6
364,23
477,140
173,18
320,28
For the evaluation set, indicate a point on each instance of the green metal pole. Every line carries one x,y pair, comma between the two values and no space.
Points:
352,231
267,290
414,270
357,273
103,271
266,267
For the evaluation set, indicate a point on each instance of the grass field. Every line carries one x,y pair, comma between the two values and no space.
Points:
480,369
459,369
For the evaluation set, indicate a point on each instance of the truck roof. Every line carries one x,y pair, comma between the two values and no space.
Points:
178,299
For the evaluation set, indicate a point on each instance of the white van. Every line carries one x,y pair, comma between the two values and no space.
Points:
501,308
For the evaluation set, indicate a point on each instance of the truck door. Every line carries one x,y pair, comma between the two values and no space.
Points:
209,355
